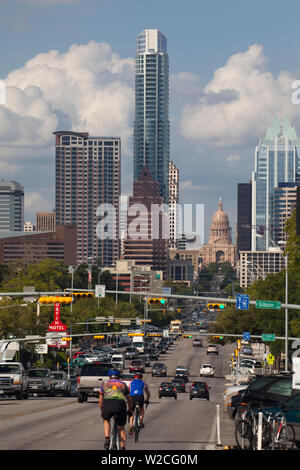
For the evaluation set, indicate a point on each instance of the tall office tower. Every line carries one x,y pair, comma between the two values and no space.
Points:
45,222
243,232
277,160
173,203
284,204
11,206
87,178
152,125
146,243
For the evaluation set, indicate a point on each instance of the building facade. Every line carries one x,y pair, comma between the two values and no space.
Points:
173,204
45,222
243,231
11,206
277,160
152,125
284,204
88,178
32,247
145,241
255,265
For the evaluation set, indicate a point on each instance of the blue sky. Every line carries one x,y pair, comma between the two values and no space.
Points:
244,55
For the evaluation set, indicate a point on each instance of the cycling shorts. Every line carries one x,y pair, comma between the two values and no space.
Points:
138,399
118,407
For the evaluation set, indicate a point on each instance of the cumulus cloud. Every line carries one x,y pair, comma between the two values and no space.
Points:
239,102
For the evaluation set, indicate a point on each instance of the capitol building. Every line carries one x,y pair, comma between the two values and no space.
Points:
219,248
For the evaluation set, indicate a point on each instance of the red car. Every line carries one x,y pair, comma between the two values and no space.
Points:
137,366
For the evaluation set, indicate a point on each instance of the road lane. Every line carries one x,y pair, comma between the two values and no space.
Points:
63,423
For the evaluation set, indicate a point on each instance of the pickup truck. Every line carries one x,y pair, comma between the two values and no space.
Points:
13,380
90,379
41,382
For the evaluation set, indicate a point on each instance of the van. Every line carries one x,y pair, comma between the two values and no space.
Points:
138,343
117,361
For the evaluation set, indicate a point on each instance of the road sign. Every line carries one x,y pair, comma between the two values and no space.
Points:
268,337
100,291
246,336
270,359
267,304
242,302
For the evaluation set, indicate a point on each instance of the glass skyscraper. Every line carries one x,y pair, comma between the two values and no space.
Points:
277,160
152,125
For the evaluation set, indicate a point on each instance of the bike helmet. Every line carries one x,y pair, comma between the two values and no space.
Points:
114,373
138,376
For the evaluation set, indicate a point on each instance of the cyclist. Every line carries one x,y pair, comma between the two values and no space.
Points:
137,388
113,396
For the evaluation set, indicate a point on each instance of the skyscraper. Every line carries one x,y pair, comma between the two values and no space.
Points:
11,206
173,203
152,125
88,176
243,232
277,160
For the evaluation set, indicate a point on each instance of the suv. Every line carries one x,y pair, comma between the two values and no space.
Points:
41,382
265,391
199,390
167,389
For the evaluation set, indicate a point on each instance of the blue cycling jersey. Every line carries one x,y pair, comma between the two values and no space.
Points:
137,387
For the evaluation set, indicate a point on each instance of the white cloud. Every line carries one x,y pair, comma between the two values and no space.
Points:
233,158
239,102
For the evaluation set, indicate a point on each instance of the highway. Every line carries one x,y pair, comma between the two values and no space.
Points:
61,423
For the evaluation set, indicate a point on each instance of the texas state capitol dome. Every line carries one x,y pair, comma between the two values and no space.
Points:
219,248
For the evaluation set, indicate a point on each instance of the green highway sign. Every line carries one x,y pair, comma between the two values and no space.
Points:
268,337
267,304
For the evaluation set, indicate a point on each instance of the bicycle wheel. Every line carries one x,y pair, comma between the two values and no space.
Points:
286,437
137,425
244,435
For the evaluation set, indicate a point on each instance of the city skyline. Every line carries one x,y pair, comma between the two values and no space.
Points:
215,92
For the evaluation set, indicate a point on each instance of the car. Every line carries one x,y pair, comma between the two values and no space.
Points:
182,370
179,384
199,390
167,389
62,385
212,349
264,391
131,353
137,366
207,370
197,343
153,355
162,347
145,359
159,369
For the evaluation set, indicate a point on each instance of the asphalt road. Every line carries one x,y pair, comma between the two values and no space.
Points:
61,423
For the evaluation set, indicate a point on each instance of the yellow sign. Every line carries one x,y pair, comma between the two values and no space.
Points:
270,359
238,344
136,334
99,337
236,352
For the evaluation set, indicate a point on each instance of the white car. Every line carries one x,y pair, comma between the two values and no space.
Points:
207,370
91,357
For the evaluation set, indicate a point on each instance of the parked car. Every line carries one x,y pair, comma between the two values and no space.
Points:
137,366
212,349
159,369
207,370
167,389
62,385
199,390
247,350
179,384
264,391
291,409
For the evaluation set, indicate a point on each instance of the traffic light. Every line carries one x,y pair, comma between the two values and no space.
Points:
157,301
186,336
218,337
83,295
55,299
215,306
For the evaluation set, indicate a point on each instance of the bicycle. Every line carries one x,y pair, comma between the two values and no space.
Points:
114,438
246,430
283,434
136,424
